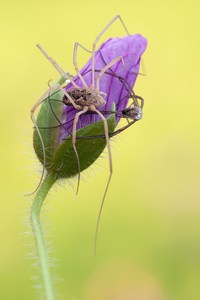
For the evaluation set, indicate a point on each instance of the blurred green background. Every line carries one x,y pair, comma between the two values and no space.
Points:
149,240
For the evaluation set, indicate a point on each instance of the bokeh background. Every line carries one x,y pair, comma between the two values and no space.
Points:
149,241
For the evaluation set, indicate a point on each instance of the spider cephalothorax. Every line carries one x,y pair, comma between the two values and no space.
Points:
85,97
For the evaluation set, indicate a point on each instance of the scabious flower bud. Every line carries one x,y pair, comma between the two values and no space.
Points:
59,152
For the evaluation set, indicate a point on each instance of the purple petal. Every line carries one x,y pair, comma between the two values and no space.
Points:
130,48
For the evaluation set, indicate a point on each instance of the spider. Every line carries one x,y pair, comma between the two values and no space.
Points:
83,99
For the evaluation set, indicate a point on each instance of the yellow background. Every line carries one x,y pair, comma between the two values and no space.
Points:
149,241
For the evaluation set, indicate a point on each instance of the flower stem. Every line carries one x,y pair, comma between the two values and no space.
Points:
38,234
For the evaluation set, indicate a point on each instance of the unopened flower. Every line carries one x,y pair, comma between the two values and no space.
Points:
55,119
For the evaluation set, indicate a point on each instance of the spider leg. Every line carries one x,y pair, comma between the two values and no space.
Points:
57,67
109,178
60,70
76,45
98,38
141,99
110,64
74,141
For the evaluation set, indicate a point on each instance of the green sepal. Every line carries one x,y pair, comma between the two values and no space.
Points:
65,163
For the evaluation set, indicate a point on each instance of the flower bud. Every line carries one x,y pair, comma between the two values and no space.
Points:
55,119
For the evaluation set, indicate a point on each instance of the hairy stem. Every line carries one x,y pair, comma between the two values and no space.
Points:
39,237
